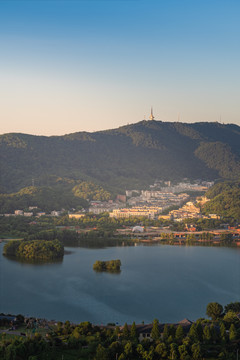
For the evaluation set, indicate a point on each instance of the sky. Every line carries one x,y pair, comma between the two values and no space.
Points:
89,65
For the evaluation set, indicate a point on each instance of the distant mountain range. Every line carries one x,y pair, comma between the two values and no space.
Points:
131,156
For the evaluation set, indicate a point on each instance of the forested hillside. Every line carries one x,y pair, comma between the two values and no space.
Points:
47,198
128,157
225,200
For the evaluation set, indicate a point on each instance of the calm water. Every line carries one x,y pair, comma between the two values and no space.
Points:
164,282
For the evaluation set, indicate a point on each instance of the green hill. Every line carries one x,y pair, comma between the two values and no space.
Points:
128,157
224,200
45,198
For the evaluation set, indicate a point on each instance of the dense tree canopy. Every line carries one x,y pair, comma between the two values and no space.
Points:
111,265
116,158
225,200
205,339
214,310
34,250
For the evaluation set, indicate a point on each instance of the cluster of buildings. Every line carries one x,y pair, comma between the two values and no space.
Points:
159,199
151,203
98,207
150,212
167,186
30,213
161,196
188,211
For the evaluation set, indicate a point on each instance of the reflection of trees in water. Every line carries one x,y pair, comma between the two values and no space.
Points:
32,261
97,243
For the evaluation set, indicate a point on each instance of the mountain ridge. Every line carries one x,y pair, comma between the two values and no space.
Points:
129,156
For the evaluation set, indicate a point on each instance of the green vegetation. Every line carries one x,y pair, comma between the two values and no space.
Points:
225,200
34,250
214,310
200,340
219,156
109,266
101,230
45,198
115,159
90,191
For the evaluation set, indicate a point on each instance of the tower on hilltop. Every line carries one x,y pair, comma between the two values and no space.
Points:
151,117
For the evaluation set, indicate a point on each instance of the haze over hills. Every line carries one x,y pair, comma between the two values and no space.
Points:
131,156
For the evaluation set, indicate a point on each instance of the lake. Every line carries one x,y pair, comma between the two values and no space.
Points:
164,282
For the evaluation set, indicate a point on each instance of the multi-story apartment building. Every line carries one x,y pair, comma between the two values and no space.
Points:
149,212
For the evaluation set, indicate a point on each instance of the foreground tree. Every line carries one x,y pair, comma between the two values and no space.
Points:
133,332
155,333
196,351
101,353
125,333
161,349
179,333
214,310
235,307
232,333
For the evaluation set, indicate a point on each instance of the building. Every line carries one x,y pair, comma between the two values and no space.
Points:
138,229
18,212
27,214
55,213
149,212
122,198
76,216
41,213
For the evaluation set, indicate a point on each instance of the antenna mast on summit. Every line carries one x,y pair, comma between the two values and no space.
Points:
151,117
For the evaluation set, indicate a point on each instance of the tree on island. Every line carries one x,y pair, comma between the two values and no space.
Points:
43,250
111,265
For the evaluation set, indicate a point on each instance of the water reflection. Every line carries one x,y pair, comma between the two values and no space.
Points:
34,261
164,282
98,243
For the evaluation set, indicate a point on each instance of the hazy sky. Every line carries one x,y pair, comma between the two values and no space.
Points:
88,65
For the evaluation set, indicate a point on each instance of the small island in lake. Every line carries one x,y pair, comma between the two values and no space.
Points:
43,250
110,266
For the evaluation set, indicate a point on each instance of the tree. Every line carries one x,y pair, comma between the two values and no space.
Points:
222,332
231,317
101,353
214,310
173,351
232,333
140,349
133,332
161,349
179,333
207,334
166,332
199,330
193,334
182,349
214,335
122,357
196,351
125,332
128,350
235,307
155,333
114,349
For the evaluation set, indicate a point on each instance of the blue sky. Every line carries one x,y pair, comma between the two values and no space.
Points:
87,65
